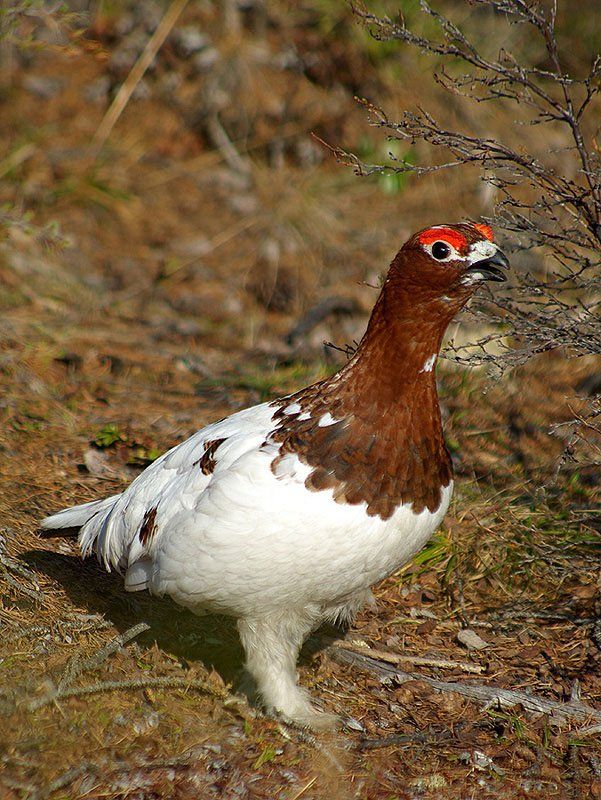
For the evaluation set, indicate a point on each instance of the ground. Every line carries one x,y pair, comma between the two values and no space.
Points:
192,276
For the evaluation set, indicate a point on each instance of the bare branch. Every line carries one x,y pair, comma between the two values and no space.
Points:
548,199
489,696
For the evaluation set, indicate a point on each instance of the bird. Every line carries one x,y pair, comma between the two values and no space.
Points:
285,514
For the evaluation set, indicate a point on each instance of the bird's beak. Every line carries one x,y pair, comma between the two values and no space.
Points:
488,268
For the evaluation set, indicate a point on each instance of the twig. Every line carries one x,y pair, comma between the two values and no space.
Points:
490,696
419,661
9,562
508,617
36,594
30,630
116,686
75,667
66,779
38,630
135,76
408,739
301,792
16,158
222,142
591,730
21,786
8,565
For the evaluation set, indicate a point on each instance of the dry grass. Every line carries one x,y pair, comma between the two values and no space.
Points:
170,308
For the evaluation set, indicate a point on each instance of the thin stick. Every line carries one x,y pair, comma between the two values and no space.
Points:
135,76
490,696
116,686
304,789
394,658
75,667
67,777
225,146
36,594
115,644
592,730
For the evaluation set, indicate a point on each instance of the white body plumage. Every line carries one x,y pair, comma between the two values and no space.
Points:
244,540
250,542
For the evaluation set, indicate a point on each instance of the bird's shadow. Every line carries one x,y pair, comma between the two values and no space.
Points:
211,640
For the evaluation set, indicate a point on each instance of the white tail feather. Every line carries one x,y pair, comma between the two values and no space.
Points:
90,518
76,516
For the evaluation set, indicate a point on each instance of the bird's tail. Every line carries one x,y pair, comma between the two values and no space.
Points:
94,525
70,520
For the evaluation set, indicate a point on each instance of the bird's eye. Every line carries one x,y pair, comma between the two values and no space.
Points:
440,250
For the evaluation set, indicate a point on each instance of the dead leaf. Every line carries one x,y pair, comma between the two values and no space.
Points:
470,639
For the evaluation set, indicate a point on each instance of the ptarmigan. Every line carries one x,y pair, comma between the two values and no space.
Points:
283,515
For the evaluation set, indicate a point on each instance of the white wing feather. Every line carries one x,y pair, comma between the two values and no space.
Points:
173,483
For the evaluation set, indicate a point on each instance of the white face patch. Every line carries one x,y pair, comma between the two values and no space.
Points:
472,277
481,250
477,252
429,363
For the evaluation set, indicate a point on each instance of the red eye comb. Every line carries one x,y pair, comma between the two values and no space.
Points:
485,230
443,234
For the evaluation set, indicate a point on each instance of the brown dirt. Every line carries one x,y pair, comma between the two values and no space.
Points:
171,306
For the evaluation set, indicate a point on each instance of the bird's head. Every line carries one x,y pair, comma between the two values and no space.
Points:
444,264
430,279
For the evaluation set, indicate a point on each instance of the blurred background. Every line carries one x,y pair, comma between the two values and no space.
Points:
177,242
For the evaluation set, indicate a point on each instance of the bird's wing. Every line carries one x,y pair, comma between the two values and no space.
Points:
127,531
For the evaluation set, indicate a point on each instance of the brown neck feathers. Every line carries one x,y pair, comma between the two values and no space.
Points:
372,432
